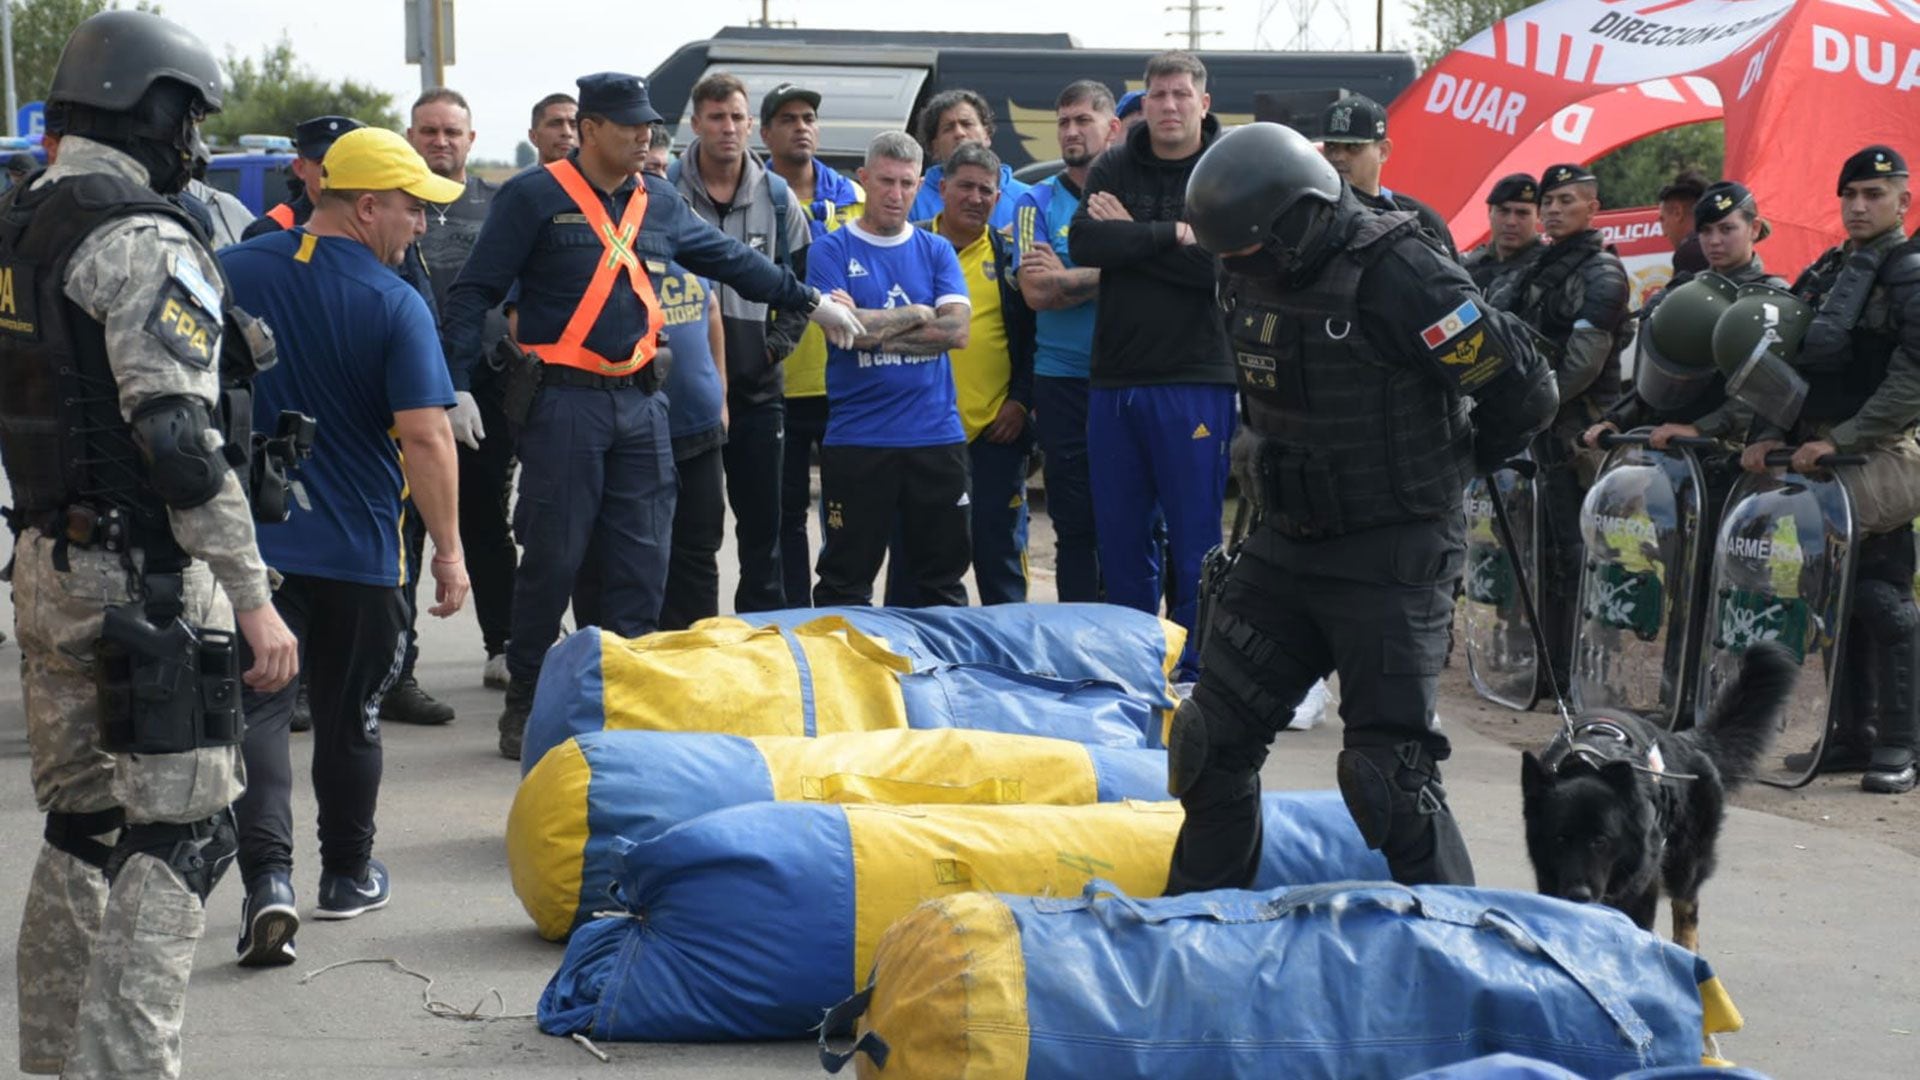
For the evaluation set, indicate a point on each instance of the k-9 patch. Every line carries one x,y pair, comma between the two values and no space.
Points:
1451,325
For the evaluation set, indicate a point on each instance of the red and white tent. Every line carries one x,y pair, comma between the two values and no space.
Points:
1802,85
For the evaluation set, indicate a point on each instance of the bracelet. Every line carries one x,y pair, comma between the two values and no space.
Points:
437,557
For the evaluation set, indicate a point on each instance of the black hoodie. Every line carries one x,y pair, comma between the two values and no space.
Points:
1157,321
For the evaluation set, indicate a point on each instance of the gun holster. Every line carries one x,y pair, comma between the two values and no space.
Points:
165,686
519,381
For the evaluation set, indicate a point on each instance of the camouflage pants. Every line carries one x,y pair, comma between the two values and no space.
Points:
103,970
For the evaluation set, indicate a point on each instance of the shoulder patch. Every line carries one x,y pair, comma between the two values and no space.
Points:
190,278
1451,325
178,322
19,311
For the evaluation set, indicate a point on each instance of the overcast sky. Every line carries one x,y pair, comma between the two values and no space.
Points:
510,53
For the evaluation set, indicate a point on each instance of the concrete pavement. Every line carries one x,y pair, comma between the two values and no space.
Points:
1811,929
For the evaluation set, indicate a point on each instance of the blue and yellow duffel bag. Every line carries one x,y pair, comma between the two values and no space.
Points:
823,677
637,784
1348,981
748,923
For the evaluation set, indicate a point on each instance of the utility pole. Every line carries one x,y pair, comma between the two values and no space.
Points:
430,39
1193,33
6,45
766,17
1380,26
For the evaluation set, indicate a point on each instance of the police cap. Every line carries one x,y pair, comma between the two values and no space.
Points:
1514,187
1559,176
1722,199
1354,119
313,138
616,97
1874,163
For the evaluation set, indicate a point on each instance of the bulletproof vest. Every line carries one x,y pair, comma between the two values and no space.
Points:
1354,439
1547,296
1837,391
62,436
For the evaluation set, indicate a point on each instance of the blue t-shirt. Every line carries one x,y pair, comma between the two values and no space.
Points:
889,399
356,345
693,383
1063,339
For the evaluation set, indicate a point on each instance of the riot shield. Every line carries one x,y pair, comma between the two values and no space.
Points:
1501,660
1783,571
1633,629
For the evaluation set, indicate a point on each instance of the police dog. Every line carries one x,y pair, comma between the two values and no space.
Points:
1617,808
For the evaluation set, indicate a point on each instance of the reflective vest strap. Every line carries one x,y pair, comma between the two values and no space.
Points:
619,253
282,215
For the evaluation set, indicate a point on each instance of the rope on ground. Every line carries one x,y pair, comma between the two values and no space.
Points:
434,1006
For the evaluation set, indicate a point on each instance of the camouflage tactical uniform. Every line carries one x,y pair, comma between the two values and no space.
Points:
103,969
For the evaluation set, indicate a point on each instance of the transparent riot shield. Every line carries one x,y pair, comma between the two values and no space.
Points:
1633,629
1783,571
1501,660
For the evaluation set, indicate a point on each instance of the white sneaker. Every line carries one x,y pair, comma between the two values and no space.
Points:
1311,710
494,676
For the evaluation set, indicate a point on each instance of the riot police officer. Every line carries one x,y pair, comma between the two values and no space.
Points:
1574,295
134,549
1358,341
1677,388
1858,369
1513,220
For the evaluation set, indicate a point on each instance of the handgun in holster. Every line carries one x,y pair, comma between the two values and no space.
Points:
165,686
519,381
271,465
1216,568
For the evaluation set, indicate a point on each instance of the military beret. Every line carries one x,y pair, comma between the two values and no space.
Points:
1873,163
1559,176
1514,187
1722,199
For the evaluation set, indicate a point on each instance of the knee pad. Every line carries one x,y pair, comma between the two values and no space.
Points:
80,835
1395,798
199,852
1187,744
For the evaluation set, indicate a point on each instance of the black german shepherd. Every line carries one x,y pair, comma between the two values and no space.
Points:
1616,808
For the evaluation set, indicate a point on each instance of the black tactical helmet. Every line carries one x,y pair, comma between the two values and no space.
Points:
115,57
1248,179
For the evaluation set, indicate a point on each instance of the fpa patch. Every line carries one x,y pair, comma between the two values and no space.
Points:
19,316
186,316
1451,325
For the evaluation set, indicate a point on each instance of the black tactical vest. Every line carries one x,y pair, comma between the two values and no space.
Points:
62,437
1354,439
1836,392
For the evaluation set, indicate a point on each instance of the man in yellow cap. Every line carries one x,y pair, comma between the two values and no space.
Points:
360,355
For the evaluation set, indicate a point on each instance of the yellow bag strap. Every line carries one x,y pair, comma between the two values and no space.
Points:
886,791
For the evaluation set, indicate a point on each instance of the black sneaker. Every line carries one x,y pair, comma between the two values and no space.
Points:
267,923
513,719
406,703
342,897
302,712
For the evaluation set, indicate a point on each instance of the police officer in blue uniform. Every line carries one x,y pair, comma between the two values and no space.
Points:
587,239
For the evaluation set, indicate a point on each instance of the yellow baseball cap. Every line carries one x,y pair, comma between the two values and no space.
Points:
375,159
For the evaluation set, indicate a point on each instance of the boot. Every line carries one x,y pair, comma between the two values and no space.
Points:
406,703
1891,770
1849,743
513,719
302,712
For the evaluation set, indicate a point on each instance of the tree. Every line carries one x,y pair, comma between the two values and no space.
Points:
40,31
523,155
270,94
1631,175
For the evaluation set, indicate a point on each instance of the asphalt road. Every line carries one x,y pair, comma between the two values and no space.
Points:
1811,928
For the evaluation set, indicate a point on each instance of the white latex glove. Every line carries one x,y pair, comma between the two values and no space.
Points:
838,321
465,418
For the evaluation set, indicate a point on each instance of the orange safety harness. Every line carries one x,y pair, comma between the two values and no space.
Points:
618,243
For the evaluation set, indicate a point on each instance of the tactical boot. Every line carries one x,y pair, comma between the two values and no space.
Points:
406,703
513,719
1891,772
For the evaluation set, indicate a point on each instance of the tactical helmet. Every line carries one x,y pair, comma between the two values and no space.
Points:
1754,344
115,57
1676,349
1248,179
